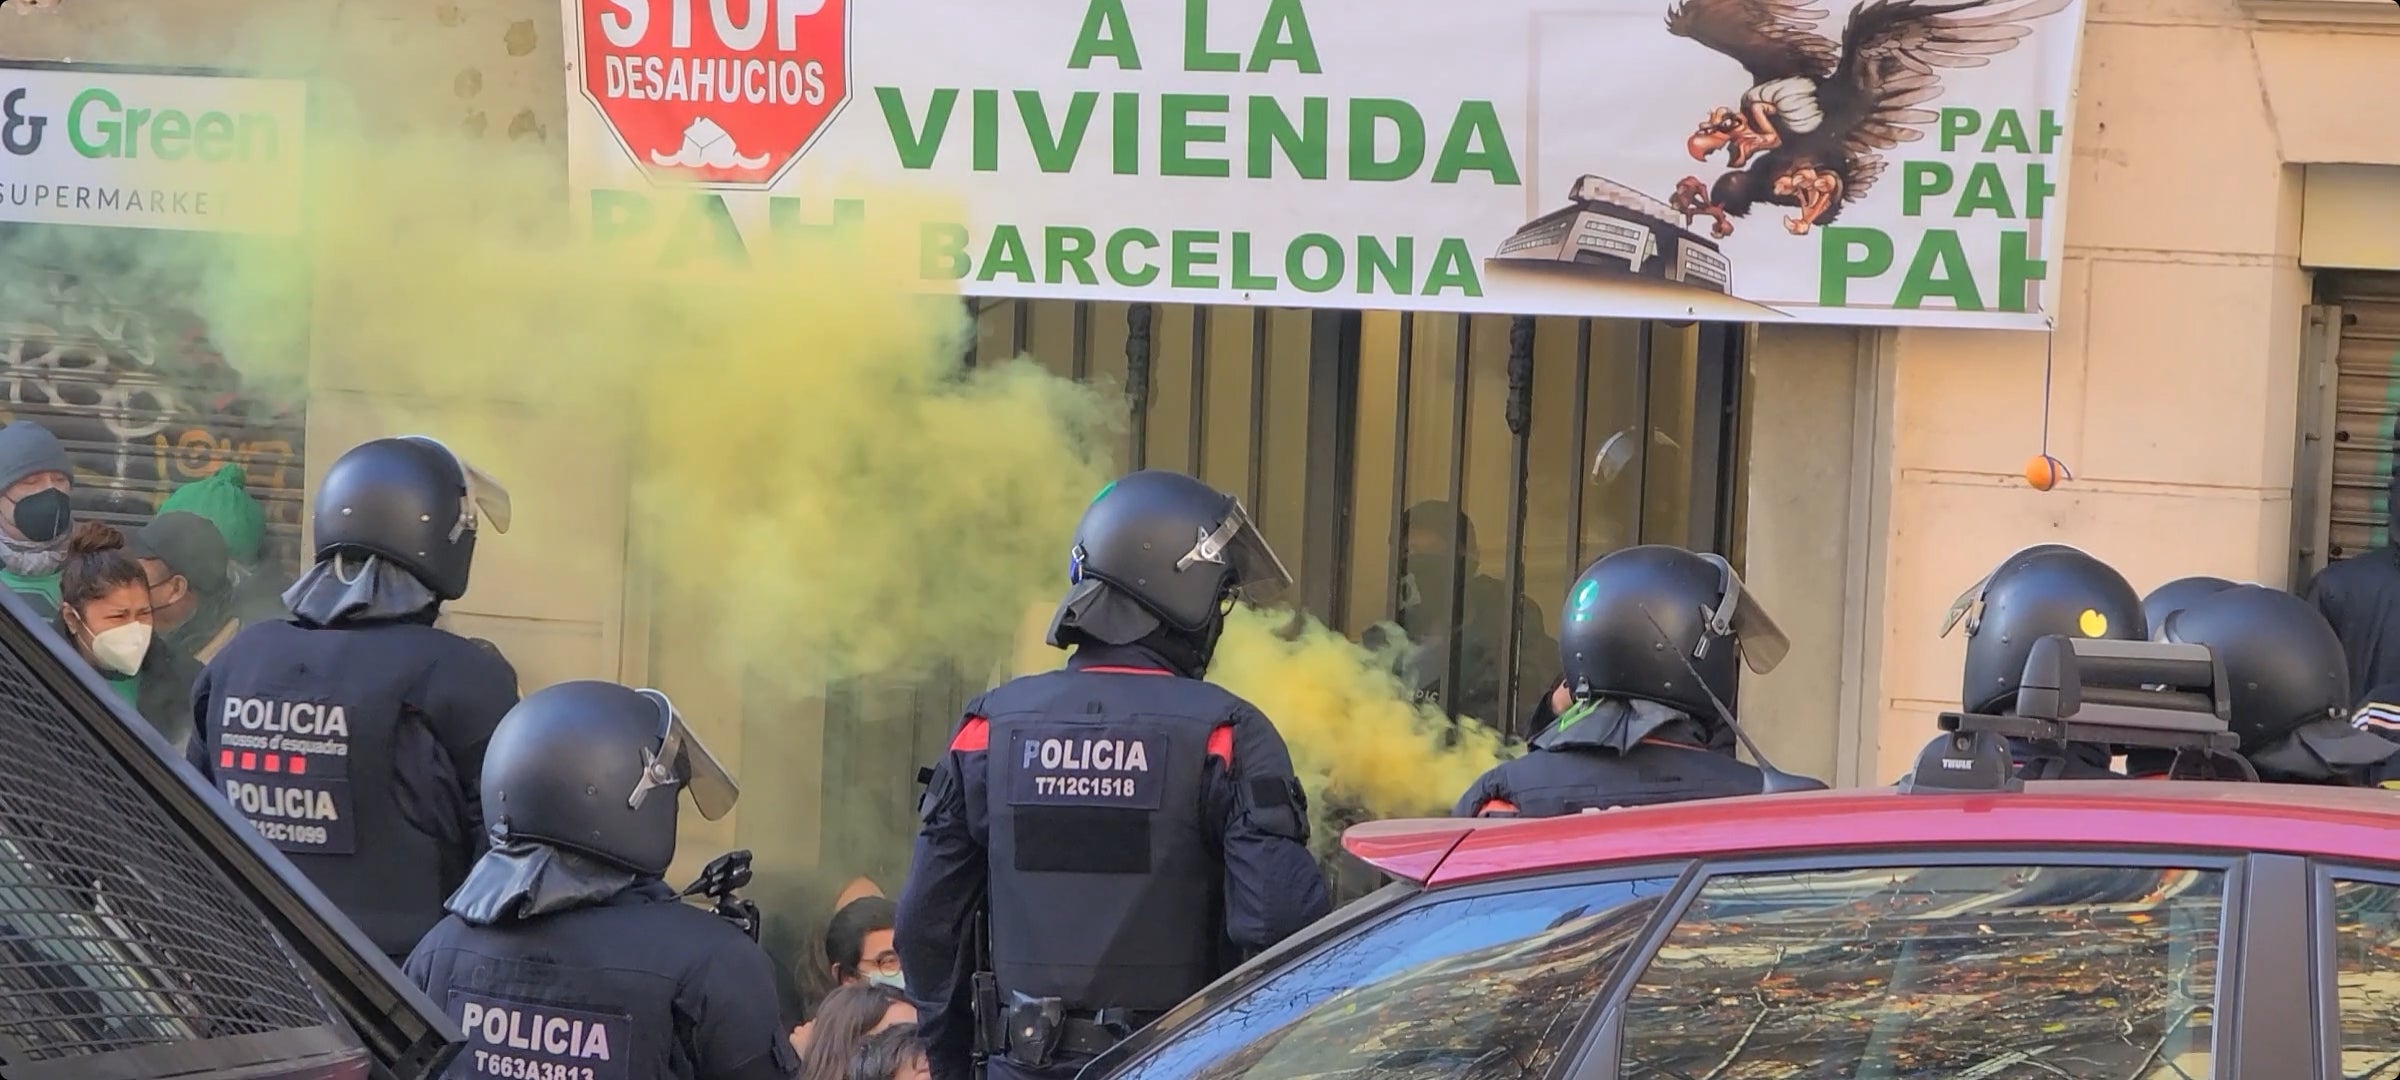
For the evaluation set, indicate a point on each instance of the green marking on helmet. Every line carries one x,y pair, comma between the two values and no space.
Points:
1586,595
1576,712
1109,487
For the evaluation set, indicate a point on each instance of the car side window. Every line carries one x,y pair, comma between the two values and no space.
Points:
1475,988
1923,972
2366,962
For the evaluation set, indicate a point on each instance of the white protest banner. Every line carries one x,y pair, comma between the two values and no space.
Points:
1896,162
83,145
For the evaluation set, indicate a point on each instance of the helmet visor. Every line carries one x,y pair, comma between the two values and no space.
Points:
1740,616
682,759
486,499
1258,576
1969,605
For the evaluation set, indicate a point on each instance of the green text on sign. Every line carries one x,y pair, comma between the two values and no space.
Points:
99,125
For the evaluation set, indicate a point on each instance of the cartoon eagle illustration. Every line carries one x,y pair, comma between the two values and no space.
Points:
1807,132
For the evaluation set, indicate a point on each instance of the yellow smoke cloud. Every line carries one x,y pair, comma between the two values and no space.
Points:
815,479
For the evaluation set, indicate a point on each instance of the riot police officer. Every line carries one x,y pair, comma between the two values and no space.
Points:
2038,592
1648,643
564,954
2177,595
2378,714
1131,831
2290,684
351,735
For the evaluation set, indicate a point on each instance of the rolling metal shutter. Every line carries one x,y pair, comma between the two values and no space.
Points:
2366,424
144,402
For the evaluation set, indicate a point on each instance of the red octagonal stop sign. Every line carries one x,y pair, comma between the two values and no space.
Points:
727,93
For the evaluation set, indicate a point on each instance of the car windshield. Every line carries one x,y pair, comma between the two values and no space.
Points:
1484,986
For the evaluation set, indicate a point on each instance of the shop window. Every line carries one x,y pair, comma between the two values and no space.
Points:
105,340
1936,971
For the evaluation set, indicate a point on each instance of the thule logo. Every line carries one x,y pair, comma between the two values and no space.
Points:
1958,764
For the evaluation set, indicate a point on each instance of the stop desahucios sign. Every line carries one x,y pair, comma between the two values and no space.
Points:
726,93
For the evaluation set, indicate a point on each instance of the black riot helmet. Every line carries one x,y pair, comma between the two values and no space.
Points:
593,767
409,500
1640,621
2040,591
2175,596
2289,678
1161,548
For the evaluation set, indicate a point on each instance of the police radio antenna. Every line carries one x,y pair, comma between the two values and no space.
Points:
1774,781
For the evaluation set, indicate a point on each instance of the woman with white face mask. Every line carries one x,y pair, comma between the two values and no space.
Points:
104,609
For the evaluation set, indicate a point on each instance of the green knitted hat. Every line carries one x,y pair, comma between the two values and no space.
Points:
222,501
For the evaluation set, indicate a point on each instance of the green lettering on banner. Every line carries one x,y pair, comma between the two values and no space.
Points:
1304,146
1957,124
2019,268
1295,263
791,230
1397,267
987,130
1196,54
2038,190
1125,131
1177,132
1407,156
1283,35
1243,279
2047,130
916,144
1849,253
705,233
618,215
1105,33
1985,192
1919,179
1184,260
1006,255
2007,132
1065,248
212,139
1122,273
943,253
1055,152
1453,268
1476,142
1940,269
99,125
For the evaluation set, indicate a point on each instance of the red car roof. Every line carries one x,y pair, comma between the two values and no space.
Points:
2342,823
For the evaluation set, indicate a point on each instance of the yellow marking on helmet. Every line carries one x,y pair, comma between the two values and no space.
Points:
2092,623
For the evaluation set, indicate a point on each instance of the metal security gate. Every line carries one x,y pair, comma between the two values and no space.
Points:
2362,327
128,378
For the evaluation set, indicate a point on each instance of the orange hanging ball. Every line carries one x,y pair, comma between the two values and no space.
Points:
2044,472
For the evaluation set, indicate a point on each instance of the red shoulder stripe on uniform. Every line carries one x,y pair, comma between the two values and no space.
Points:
1220,744
1495,806
974,737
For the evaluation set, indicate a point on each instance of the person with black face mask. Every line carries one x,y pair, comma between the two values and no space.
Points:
1128,832
1429,577
36,485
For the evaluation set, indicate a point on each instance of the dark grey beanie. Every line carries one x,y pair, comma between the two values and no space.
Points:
27,448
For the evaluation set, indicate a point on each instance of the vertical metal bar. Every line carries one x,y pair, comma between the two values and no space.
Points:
1022,333
1643,342
1137,380
1583,445
1400,418
1255,487
1081,354
1329,467
1520,428
1461,372
1712,393
1198,439
974,331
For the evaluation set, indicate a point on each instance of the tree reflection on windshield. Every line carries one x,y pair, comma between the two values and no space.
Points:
1956,973
2366,953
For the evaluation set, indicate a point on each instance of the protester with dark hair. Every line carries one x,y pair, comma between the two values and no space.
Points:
104,610
895,1053
856,948
847,1017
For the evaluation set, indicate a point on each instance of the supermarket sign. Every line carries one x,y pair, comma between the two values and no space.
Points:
1634,158
113,147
